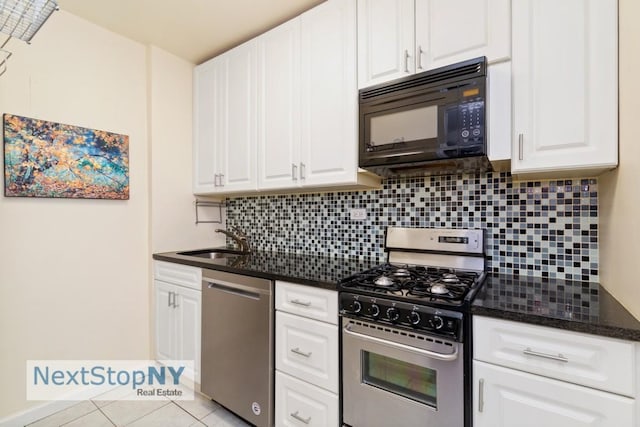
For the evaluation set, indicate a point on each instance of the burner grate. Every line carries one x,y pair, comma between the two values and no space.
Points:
419,282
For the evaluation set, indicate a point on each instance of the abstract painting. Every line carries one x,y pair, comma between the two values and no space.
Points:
47,159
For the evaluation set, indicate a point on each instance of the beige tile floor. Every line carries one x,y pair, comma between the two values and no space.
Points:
199,412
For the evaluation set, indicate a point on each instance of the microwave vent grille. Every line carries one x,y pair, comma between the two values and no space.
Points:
428,78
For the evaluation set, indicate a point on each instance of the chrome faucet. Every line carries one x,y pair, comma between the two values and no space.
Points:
238,236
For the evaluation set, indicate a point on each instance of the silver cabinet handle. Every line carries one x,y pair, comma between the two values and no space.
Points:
221,180
481,395
558,358
215,180
419,58
301,353
520,146
406,61
294,171
299,418
302,303
302,170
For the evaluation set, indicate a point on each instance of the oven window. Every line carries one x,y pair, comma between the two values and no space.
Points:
405,379
415,124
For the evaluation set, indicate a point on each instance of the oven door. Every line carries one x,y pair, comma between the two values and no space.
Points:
392,377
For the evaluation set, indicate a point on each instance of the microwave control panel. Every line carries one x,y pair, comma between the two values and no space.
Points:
466,125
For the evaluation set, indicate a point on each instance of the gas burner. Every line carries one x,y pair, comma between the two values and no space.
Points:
439,289
450,278
402,272
384,281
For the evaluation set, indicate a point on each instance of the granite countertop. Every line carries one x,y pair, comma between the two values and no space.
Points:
318,271
574,306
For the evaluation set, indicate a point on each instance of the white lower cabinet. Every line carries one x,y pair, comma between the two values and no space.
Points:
507,398
307,373
300,403
178,314
527,375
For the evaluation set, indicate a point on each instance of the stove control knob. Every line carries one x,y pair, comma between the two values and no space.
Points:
414,317
393,314
437,322
374,310
357,307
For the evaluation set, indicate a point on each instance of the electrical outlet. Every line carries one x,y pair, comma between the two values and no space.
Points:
358,214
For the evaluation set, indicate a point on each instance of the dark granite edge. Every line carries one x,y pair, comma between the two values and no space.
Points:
175,258
552,322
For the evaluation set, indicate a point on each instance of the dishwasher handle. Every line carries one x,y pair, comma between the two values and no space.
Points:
235,289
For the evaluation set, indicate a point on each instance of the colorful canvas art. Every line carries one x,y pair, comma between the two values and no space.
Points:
47,159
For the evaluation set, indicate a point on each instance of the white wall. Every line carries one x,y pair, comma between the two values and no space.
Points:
620,190
172,211
74,274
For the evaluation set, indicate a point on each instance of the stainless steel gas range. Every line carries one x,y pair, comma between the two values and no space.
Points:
406,331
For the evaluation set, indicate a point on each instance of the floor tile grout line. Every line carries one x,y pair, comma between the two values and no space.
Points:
189,413
139,418
199,419
105,415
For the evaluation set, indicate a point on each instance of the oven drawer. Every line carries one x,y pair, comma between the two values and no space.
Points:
307,349
597,362
307,301
300,403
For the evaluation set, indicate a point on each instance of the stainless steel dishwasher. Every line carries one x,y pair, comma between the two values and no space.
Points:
237,344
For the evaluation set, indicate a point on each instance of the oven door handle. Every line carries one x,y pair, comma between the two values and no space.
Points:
431,354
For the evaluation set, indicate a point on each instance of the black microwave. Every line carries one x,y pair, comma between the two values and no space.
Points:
428,123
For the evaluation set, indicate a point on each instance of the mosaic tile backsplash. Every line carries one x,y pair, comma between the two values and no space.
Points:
533,228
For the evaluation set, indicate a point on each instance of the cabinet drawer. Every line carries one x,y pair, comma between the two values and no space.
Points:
315,303
299,403
178,274
598,362
307,349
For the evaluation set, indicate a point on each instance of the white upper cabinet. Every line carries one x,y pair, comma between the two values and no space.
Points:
308,135
239,125
278,129
281,111
225,122
397,38
206,81
329,102
450,31
385,40
565,87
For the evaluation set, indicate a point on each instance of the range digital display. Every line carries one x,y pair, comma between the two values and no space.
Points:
453,239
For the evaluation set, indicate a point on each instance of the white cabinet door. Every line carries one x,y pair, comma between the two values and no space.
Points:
386,40
165,321
506,397
565,86
206,125
397,38
238,119
188,325
329,133
279,111
450,31
299,403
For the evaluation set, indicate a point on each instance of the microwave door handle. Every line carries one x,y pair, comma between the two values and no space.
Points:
439,356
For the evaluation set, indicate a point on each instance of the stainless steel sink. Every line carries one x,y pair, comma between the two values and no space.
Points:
215,253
